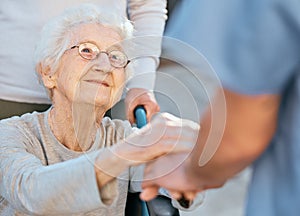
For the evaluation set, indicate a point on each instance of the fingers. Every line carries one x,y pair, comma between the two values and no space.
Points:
171,121
175,194
130,116
172,146
130,112
140,96
184,198
163,135
190,195
176,134
149,193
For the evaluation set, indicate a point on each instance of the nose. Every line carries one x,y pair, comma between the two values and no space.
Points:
102,63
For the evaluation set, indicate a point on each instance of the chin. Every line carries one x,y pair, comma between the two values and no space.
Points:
102,104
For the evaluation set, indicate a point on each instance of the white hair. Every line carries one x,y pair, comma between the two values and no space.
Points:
56,34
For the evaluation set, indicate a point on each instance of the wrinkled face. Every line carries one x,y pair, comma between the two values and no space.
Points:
91,81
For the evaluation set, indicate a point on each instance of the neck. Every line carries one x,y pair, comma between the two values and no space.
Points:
75,125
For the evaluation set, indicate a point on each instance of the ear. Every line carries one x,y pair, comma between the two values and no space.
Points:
44,72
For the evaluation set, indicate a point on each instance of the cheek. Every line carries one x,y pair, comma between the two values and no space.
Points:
120,80
69,80
119,83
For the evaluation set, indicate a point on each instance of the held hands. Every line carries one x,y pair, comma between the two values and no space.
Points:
174,173
170,172
165,134
140,96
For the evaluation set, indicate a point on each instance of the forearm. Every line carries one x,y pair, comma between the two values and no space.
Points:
248,128
44,190
144,72
108,165
149,19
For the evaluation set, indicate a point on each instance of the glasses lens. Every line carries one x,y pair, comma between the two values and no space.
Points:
117,58
88,51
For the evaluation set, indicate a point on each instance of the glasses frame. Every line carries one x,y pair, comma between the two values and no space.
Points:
99,52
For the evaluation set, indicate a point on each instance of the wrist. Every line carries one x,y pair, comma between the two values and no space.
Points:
108,166
124,154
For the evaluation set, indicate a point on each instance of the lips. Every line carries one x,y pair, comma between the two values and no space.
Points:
99,82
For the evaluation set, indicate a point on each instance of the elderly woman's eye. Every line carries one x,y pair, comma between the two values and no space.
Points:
117,55
86,50
114,57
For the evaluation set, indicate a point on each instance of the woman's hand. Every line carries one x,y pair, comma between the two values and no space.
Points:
165,134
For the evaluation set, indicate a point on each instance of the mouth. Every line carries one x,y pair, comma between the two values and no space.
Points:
99,82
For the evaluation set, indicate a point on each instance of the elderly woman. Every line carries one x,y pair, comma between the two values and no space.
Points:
70,160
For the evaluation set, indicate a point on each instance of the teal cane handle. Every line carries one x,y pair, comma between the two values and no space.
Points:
141,120
140,116
161,205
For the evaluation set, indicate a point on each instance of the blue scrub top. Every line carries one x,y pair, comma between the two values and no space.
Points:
254,47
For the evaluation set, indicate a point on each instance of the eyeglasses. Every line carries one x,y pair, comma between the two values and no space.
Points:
90,51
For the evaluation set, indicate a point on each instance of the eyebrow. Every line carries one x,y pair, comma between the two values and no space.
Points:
110,48
117,46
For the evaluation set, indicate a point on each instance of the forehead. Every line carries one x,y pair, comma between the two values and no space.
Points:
101,35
